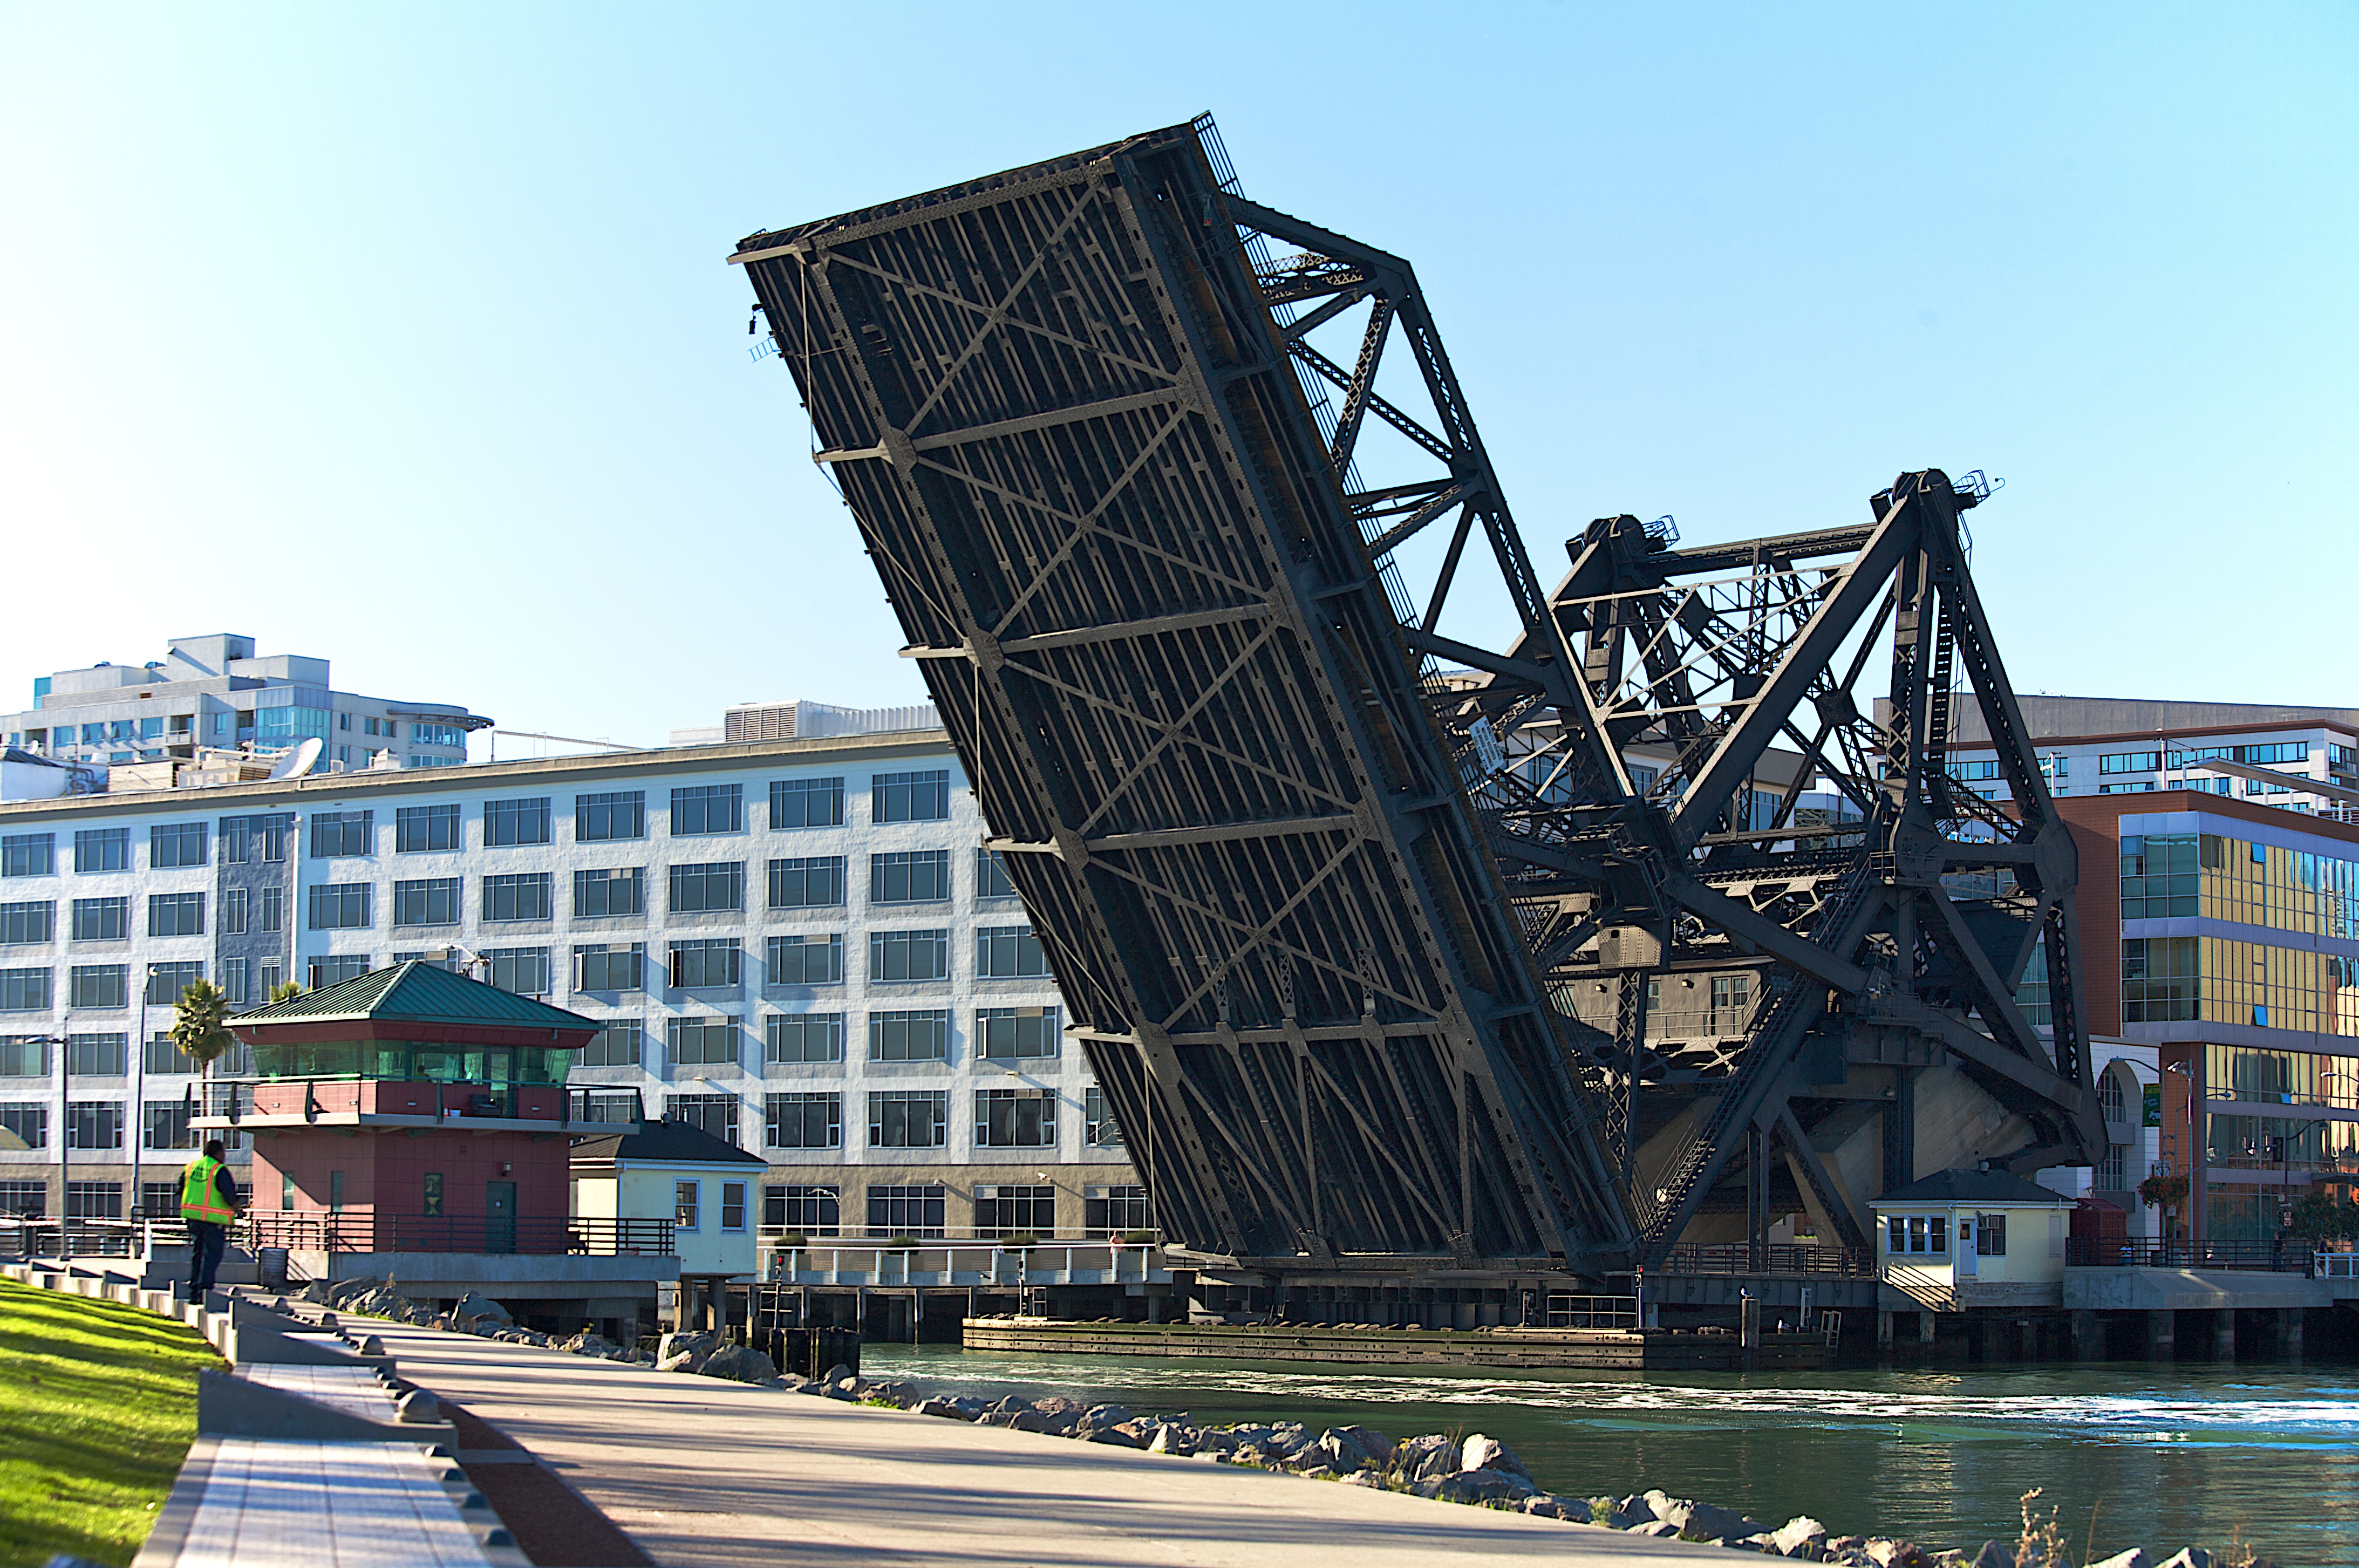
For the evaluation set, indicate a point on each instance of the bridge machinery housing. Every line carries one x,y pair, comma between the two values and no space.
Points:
1371,934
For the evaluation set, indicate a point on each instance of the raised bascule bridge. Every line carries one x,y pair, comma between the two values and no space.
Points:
1381,942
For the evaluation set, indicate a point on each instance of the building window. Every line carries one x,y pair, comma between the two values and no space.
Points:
1990,1235
27,855
245,838
910,797
707,962
803,1037
521,970
159,1199
516,822
603,818
174,845
237,907
422,830
906,1211
909,876
806,960
2112,1173
518,896
103,849
165,1125
732,1205
176,914
603,895
341,906
1006,1211
336,835
94,1200
167,981
812,1211
99,985
914,1035
610,967
701,1042
1113,1210
708,809
1014,1118
803,1120
26,924
1098,1128
1917,1233
98,1055
102,920
715,1116
909,955
991,879
335,968
908,1119
1008,953
236,981
430,902
94,1124
24,990
274,909
2161,979
1008,1034
2110,1098
617,1045
430,1196
24,1057
28,1123
708,889
684,1204
160,1055
810,883
806,803
27,1200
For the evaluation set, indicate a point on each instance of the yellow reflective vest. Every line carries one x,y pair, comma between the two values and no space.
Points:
199,1199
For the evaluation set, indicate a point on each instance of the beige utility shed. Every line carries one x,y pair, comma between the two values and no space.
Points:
1972,1238
709,1189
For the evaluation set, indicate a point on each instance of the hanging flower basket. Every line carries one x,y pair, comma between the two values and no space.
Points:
2163,1191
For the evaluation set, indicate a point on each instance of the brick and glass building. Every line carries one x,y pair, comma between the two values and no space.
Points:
799,945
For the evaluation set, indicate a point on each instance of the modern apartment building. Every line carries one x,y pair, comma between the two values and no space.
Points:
212,691
799,945
2111,745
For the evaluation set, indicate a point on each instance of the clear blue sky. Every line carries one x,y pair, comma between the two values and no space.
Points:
402,336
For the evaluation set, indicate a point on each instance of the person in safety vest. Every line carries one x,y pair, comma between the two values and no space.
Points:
208,1201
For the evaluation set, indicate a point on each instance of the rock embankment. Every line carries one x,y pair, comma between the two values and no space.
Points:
1478,1470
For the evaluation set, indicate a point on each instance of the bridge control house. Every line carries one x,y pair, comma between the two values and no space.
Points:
413,1122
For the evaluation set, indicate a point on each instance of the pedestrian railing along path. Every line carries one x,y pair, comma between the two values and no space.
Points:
2296,1257
306,1456
1774,1258
979,1264
311,1230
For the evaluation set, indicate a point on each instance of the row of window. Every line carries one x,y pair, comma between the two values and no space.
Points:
911,876
2173,874
921,1212
2185,978
899,1119
2180,758
701,808
35,923
897,1034
97,985
89,1200
105,1055
98,1124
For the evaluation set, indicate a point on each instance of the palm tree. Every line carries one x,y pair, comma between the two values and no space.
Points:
286,992
200,1024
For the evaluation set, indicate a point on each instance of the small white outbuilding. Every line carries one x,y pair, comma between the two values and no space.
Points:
1970,1238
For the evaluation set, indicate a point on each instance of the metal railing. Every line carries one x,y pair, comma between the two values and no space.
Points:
944,1264
2335,1266
1776,1257
1003,1235
239,1100
361,1231
2293,1256
1592,1311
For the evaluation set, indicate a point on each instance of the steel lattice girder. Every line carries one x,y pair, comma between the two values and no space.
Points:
1072,435
1310,896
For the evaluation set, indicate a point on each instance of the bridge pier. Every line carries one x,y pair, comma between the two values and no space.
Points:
2088,1336
2162,1336
1925,1321
1884,1334
2030,1339
2289,1333
2223,1334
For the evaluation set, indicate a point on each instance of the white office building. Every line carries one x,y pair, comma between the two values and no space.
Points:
799,945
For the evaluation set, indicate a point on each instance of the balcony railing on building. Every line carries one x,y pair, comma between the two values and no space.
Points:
365,1231
1773,1258
238,1101
2292,1255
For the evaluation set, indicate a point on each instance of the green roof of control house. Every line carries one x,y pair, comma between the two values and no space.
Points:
425,993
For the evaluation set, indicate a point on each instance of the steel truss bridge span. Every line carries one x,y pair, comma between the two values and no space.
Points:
1317,896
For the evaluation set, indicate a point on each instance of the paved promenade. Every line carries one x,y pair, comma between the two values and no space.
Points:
701,1471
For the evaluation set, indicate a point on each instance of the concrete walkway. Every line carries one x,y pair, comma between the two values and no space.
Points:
701,1471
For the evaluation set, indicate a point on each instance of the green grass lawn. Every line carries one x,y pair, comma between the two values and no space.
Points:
98,1406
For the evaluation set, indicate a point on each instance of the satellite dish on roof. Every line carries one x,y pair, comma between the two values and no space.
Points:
300,761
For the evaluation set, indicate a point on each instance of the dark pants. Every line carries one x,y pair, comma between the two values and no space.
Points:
205,1243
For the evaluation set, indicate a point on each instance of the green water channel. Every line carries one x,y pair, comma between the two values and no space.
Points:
2160,1457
